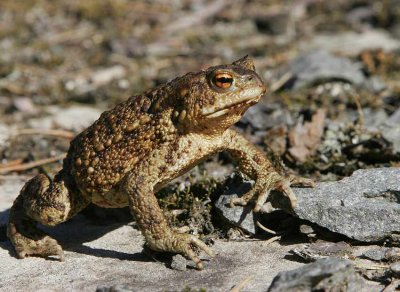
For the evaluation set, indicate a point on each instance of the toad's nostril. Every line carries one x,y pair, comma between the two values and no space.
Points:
250,78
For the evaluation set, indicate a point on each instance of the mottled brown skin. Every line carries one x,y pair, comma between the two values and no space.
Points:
135,149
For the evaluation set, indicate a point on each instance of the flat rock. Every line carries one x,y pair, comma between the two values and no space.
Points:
369,197
110,257
329,274
364,206
321,66
380,254
352,43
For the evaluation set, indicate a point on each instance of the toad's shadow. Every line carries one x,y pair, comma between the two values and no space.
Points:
73,234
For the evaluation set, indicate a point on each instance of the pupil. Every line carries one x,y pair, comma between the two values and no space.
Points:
224,80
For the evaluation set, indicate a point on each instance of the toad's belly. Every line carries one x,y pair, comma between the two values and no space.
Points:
110,199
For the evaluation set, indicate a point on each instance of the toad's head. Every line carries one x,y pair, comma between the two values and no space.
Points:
212,100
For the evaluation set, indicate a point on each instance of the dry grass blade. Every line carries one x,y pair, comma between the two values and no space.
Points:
242,284
48,132
29,165
372,267
265,228
282,81
272,239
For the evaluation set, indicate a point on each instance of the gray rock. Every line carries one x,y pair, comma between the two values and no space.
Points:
75,118
351,43
374,118
242,217
376,84
178,263
319,66
262,117
323,275
383,254
391,130
395,268
394,119
364,206
376,254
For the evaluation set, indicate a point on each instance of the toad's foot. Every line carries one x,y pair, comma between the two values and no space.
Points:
27,238
184,244
37,244
281,184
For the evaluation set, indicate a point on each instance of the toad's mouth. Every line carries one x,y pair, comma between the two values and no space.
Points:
233,102
231,107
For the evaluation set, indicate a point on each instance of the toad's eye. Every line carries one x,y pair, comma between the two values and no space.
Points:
223,80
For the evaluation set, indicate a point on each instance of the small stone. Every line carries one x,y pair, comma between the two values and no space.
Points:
179,263
75,118
395,268
323,275
306,229
240,216
391,130
234,234
392,254
377,254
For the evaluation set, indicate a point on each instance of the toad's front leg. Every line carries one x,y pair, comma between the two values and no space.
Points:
153,225
254,163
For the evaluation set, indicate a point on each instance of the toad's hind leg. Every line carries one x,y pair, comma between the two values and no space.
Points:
45,202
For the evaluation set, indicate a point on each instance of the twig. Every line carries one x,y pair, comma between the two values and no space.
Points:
265,228
242,284
272,239
11,163
361,119
48,132
372,267
281,81
29,165
197,17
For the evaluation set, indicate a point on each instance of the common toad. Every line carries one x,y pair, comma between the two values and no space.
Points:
136,148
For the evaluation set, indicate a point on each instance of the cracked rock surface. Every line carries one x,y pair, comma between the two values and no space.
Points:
364,206
369,197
